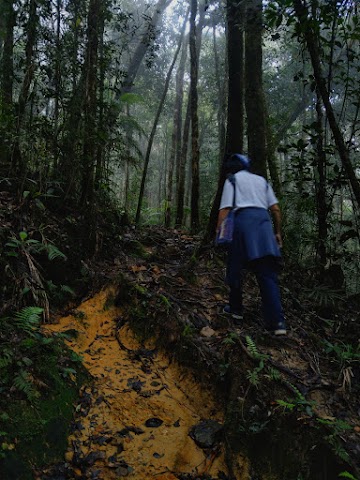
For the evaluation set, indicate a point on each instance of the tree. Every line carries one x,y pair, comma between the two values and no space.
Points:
306,30
7,76
156,120
195,151
254,98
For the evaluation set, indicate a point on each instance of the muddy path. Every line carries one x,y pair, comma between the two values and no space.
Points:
134,418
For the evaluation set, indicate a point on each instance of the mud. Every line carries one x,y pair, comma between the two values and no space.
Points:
135,417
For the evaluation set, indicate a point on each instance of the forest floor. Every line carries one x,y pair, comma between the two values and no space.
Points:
163,358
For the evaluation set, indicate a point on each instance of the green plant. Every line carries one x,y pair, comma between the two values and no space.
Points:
23,382
325,297
28,319
23,244
347,475
188,331
345,353
230,339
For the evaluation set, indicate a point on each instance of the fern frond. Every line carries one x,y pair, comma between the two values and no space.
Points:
6,359
53,252
253,377
251,346
23,383
28,319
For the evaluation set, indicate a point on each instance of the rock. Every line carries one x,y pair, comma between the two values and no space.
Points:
153,422
206,433
207,332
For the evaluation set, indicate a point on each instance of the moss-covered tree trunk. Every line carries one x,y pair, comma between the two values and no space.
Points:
195,150
254,95
7,72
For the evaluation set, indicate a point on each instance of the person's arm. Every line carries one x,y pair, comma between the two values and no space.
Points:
276,215
223,213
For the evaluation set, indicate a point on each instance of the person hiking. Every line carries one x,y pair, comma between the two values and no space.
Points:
255,245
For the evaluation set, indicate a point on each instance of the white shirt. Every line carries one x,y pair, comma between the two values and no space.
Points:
251,191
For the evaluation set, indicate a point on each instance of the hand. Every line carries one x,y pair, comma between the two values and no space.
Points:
279,239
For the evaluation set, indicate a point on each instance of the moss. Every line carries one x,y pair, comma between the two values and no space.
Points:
37,432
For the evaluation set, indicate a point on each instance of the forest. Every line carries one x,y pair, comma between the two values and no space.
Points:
116,118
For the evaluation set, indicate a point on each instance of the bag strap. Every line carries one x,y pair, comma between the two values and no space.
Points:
232,180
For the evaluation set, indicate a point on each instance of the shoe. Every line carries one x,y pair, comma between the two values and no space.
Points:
280,329
233,313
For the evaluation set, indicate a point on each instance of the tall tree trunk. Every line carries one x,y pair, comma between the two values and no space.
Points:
90,102
7,75
254,95
221,93
175,152
179,218
143,44
311,40
18,162
320,186
156,120
195,151
235,13
101,143
57,82
180,191
69,169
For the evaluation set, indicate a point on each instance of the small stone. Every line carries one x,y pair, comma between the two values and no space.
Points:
153,422
207,332
206,433
122,472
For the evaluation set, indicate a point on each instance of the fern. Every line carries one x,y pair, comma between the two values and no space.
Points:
286,405
252,347
6,359
54,253
253,377
347,475
28,319
23,383
274,374
253,350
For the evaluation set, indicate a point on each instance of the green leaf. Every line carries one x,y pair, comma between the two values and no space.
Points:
23,236
347,475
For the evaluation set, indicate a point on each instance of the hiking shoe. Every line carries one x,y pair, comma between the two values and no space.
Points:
233,313
279,329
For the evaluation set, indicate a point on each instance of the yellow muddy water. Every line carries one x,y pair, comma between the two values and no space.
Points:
129,390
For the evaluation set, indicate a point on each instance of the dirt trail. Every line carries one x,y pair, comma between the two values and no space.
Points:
134,420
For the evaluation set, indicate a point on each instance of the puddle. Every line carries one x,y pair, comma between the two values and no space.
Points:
134,420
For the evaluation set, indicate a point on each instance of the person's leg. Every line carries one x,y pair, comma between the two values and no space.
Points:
235,297
267,278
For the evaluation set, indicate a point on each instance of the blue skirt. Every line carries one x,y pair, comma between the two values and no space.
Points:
253,239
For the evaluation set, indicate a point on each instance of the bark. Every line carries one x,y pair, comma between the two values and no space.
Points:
175,151
101,142
235,112
155,124
7,75
69,163
254,95
148,36
57,82
195,150
181,181
18,165
312,46
90,102
221,92
235,53
320,186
